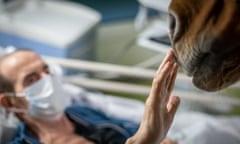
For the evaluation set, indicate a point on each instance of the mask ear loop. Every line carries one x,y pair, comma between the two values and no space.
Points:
13,109
55,69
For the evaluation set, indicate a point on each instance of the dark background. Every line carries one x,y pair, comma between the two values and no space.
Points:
114,10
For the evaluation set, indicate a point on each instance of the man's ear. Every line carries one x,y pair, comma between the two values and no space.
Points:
5,101
13,102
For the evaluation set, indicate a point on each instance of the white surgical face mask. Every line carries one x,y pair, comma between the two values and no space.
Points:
46,99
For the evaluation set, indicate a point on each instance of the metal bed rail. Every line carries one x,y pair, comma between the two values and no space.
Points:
135,72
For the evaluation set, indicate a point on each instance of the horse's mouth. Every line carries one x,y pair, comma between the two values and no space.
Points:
194,69
210,65
203,68
193,65
211,72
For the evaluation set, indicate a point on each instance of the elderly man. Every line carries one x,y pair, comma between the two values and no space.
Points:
35,95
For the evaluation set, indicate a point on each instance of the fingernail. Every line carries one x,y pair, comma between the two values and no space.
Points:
169,52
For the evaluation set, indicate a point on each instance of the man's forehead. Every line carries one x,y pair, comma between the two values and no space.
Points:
19,57
13,63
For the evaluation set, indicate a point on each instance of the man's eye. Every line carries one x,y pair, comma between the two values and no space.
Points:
31,80
46,69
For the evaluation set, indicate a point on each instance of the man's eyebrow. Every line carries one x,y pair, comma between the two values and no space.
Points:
29,75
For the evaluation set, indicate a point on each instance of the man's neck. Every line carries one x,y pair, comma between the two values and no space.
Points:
63,125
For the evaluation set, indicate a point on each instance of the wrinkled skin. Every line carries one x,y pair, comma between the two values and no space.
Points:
205,36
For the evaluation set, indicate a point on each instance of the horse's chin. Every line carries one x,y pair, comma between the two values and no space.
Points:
212,72
209,79
207,82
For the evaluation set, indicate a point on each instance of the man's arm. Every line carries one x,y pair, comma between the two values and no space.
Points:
160,107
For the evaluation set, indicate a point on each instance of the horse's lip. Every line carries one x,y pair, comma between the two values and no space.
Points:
182,64
196,64
191,66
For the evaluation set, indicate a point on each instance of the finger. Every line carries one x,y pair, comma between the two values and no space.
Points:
168,57
168,82
172,105
172,79
172,75
160,80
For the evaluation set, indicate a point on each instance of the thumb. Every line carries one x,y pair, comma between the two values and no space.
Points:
172,105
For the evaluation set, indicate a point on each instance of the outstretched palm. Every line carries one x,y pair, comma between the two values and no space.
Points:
160,107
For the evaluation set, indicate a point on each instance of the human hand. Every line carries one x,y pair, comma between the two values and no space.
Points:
160,107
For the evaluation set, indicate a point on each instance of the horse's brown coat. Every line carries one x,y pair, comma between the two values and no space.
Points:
206,41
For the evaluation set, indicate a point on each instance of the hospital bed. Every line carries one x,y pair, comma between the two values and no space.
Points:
183,88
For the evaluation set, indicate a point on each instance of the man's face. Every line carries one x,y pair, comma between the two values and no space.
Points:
23,68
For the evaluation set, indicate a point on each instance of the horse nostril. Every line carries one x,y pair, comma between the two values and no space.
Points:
172,25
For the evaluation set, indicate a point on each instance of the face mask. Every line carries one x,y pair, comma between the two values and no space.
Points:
46,99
